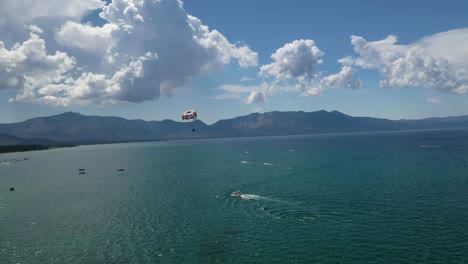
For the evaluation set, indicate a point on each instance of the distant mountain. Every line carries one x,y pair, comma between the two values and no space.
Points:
80,129
437,122
9,140
74,127
285,123
12,140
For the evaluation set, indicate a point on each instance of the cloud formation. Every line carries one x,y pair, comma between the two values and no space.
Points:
296,62
144,50
27,66
344,78
255,97
438,61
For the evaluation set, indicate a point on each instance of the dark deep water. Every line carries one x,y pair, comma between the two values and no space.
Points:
346,198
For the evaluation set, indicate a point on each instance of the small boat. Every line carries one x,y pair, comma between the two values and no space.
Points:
236,194
82,172
121,169
81,169
12,189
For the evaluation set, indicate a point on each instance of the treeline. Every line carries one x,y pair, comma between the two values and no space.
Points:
20,148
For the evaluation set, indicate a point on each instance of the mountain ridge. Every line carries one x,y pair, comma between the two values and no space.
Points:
73,127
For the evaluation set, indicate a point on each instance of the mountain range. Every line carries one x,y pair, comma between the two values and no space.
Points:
76,128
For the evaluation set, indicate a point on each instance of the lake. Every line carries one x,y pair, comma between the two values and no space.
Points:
396,197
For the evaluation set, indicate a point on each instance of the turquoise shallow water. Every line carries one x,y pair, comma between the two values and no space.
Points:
349,198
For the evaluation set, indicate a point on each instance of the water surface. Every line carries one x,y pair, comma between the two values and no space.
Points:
345,198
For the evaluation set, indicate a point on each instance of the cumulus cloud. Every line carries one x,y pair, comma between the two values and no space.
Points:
255,97
143,50
18,14
35,29
27,66
220,47
439,61
21,11
87,37
296,62
344,78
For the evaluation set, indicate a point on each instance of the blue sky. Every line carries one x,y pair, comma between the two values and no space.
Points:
406,59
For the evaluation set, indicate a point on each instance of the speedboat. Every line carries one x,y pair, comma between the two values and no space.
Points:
237,194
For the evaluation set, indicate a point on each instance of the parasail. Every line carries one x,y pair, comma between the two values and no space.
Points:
189,115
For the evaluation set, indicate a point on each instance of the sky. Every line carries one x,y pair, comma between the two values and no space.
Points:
154,59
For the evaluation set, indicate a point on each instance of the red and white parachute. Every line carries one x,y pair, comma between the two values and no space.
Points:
189,115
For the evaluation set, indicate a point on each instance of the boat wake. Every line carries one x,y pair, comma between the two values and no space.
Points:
251,197
276,208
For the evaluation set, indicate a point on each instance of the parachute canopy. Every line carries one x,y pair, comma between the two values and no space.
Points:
189,115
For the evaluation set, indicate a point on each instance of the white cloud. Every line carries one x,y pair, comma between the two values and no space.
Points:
27,66
438,61
87,37
144,50
344,78
450,45
258,110
313,91
433,100
235,91
21,11
255,97
45,14
251,93
35,29
219,46
294,61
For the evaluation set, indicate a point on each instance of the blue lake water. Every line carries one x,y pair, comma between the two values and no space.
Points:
344,198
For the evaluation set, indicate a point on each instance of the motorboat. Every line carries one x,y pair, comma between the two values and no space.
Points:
236,194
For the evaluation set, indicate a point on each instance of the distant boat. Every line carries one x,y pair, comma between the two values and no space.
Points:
82,172
236,194
12,189
121,169
81,169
